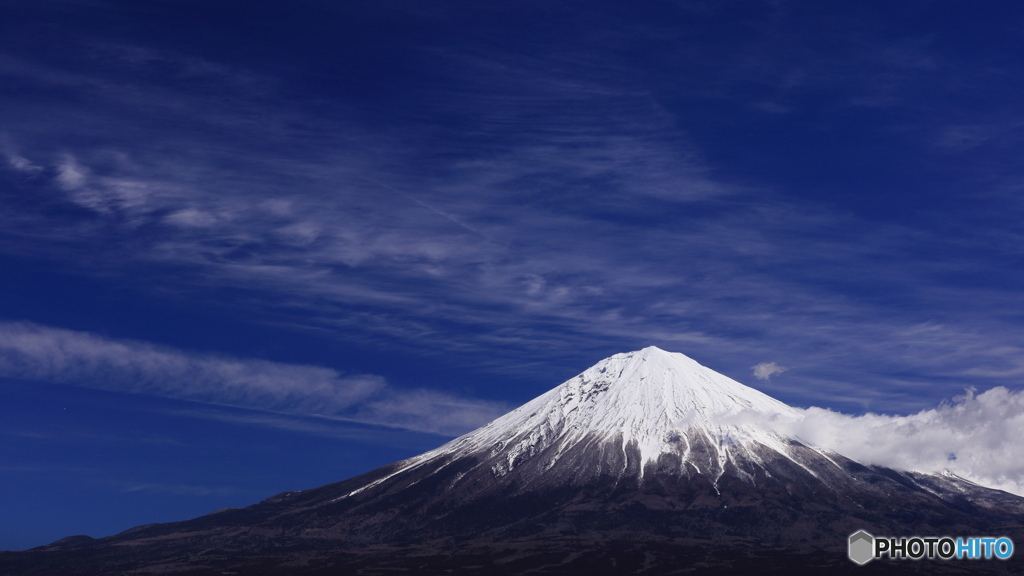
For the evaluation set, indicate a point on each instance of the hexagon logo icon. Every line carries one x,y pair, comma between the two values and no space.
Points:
862,547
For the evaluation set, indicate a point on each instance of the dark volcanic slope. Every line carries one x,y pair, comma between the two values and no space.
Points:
627,468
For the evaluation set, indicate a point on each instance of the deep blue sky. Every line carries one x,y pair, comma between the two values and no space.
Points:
249,247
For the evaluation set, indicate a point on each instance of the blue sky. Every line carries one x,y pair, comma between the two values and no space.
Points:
249,247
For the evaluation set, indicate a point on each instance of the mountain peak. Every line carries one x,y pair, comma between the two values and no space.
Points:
648,403
669,381
654,353
653,350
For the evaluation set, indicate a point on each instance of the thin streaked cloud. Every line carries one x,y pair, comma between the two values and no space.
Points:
34,352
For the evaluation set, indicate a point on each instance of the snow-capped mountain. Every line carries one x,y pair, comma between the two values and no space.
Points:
645,460
626,415
649,404
648,413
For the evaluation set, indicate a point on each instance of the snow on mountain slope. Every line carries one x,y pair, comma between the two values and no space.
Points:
629,411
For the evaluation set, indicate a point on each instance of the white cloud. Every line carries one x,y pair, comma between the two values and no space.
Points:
977,437
70,174
121,194
191,218
22,164
301,233
765,370
420,410
35,352
16,160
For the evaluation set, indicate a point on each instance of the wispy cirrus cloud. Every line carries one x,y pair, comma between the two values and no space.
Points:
183,489
15,160
34,352
550,205
374,261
